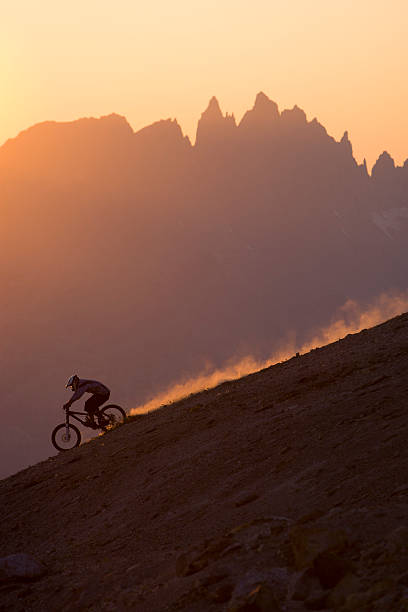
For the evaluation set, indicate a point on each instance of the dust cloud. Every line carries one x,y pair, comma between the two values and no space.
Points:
351,318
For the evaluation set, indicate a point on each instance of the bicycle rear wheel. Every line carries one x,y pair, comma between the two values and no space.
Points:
66,437
112,415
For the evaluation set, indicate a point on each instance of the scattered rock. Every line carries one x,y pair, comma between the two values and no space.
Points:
222,593
356,601
310,542
195,561
402,490
250,535
260,599
381,588
310,516
20,567
75,459
330,569
186,565
304,584
397,541
317,600
273,524
347,586
370,555
247,499
211,579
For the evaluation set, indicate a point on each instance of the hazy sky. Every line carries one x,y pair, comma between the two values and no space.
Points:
343,61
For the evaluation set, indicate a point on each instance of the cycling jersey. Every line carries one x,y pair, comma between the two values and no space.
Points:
89,386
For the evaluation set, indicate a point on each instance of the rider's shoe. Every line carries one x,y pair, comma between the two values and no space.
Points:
90,423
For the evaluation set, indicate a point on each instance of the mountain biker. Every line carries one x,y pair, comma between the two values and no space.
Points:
100,394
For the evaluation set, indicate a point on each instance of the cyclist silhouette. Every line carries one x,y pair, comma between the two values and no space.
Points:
100,394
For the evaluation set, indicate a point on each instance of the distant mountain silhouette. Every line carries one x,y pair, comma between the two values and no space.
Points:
137,258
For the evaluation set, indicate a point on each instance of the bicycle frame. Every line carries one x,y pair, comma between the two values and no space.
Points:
73,413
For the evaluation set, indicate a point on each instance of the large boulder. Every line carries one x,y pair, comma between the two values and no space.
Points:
310,542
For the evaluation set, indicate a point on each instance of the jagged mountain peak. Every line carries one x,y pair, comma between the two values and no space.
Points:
213,110
318,127
262,103
345,143
384,166
364,168
213,125
294,116
264,113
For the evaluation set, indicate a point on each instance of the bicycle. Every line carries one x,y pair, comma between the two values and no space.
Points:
67,436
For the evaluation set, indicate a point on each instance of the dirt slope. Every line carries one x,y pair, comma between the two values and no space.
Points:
285,490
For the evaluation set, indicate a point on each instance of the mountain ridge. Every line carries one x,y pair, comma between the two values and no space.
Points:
264,115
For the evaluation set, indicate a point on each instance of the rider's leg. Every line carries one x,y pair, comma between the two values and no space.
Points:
92,404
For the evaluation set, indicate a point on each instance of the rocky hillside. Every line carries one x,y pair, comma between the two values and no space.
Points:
284,490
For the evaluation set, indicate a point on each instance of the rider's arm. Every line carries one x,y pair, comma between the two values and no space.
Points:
78,393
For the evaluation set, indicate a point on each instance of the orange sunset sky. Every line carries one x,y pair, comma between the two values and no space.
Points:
344,62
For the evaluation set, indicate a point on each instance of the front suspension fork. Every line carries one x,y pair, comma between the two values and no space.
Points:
67,423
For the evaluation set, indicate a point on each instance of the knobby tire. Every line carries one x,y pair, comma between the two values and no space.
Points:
115,413
57,437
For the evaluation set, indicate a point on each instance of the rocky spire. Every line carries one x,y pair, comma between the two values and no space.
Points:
213,127
263,105
363,167
263,114
384,166
346,144
213,111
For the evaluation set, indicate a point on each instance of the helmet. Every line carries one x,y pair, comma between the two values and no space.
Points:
73,382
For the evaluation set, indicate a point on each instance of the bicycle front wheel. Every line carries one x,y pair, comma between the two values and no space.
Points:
112,415
64,437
